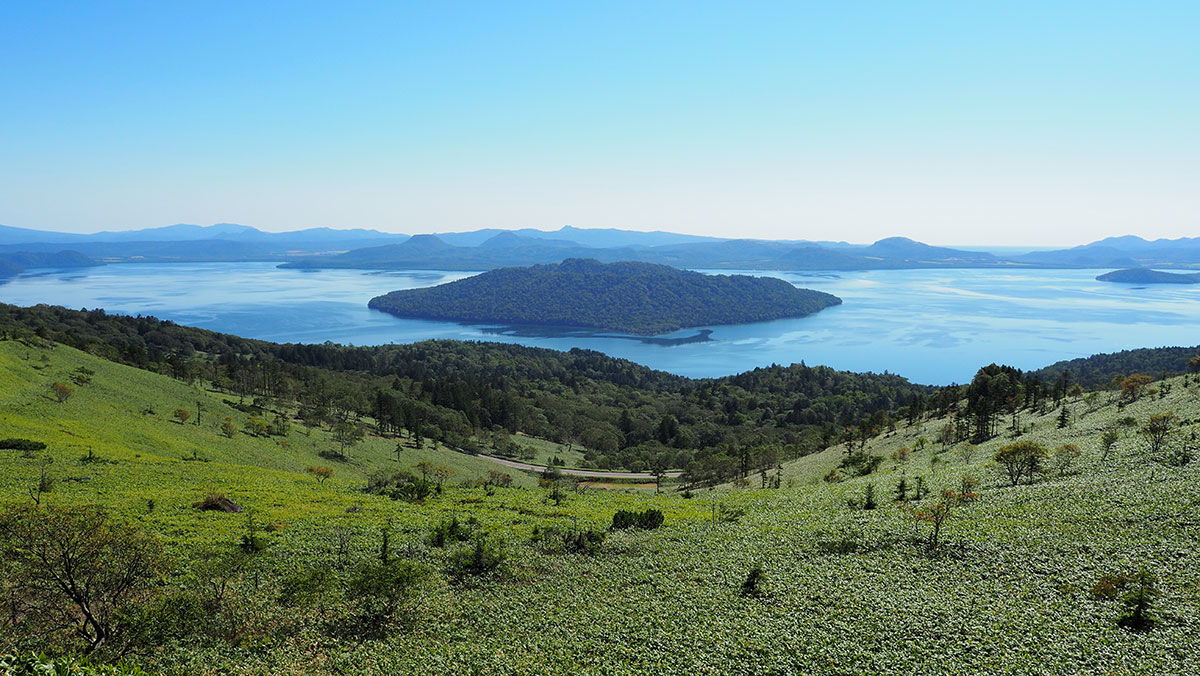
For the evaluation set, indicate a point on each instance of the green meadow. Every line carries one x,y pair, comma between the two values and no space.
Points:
739,579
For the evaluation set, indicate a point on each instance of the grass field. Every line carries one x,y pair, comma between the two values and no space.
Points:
843,590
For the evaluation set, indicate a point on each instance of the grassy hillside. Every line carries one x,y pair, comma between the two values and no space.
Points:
124,417
842,590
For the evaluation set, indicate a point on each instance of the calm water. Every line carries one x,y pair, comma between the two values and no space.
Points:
933,326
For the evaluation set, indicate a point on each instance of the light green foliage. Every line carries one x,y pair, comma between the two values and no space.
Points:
1005,591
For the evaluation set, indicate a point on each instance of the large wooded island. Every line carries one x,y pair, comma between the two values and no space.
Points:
638,298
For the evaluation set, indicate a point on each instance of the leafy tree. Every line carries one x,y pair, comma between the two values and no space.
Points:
1133,386
76,569
1107,440
937,514
182,415
321,474
61,392
1064,456
227,427
1136,592
440,475
1022,460
1158,429
347,435
384,593
280,426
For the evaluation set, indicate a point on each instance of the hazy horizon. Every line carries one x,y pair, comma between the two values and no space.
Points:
1023,124
1009,248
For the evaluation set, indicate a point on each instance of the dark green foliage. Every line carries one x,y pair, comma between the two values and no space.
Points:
307,588
648,519
861,463
176,615
451,530
620,411
1022,460
555,540
400,485
640,298
483,555
1136,593
382,593
22,444
1099,370
77,571
753,584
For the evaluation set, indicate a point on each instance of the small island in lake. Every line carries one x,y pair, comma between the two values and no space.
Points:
1148,276
637,298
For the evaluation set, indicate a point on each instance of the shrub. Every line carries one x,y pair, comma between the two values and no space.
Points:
1064,456
752,586
861,463
22,444
77,571
308,588
450,530
569,541
482,556
382,593
646,520
1022,460
61,392
321,474
400,485
1158,429
1136,592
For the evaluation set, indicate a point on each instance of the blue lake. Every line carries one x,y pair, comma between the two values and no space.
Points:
932,326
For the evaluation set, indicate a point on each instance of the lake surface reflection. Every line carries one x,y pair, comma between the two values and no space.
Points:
932,326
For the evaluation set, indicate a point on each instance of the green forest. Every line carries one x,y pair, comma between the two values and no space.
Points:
638,298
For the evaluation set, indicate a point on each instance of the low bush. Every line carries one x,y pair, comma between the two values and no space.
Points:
646,520
554,540
22,444
482,556
451,530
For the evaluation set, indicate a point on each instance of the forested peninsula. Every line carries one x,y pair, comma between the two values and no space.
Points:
637,298
1149,276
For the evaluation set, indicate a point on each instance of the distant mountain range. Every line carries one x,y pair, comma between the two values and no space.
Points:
492,248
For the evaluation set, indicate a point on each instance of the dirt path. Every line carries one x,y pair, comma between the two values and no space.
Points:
587,473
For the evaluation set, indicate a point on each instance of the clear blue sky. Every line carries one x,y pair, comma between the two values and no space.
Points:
956,122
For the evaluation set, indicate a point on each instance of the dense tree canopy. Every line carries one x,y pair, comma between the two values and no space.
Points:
641,298
624,414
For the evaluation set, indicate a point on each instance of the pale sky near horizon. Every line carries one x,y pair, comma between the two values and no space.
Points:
1024,123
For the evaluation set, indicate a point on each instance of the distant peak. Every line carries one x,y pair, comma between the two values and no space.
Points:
426,242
